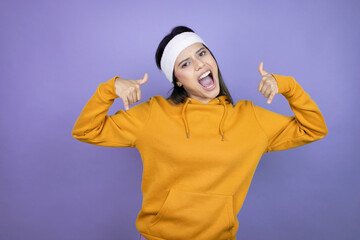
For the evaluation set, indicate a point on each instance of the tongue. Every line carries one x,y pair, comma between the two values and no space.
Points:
206,81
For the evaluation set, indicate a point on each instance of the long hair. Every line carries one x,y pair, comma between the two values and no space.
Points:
179,94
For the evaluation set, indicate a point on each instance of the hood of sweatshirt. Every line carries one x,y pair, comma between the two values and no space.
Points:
223,100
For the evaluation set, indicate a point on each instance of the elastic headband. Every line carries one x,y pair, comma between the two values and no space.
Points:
174,48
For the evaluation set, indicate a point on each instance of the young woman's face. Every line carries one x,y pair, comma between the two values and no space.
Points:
190,64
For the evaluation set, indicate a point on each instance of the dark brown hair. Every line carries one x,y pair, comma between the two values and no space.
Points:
179,94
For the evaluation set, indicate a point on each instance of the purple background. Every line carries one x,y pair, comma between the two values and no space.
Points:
54,54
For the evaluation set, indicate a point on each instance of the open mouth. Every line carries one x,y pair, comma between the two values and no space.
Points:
207,82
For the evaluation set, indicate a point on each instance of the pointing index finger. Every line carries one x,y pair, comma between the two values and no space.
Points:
126,104
271,97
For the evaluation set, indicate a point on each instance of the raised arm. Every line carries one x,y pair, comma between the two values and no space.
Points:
284,132
94,126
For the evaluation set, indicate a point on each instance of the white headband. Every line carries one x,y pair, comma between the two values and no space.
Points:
174,48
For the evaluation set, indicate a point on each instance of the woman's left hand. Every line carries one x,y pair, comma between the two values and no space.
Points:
268,85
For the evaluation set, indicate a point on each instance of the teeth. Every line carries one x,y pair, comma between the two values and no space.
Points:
204,75
209,86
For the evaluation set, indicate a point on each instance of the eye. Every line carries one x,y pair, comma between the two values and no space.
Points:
184,65
201,54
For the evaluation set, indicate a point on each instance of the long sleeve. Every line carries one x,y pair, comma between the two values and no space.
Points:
94,126
285,132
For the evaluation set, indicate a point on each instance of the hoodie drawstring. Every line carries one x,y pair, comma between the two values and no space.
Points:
184,119
222,119
221,122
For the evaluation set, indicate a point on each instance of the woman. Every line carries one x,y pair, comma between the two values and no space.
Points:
199,150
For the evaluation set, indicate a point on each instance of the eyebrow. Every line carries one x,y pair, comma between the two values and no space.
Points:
188,58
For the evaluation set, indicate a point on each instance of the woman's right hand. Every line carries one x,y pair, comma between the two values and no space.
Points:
129,90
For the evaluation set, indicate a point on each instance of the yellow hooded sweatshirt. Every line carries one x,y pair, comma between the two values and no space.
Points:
198,159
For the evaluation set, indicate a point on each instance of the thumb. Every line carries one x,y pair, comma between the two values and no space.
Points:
261,69
144,79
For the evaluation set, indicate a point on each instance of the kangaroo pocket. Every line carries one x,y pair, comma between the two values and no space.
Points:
196,216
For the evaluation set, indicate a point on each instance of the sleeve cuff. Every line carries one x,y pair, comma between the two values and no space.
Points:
107,89
285,83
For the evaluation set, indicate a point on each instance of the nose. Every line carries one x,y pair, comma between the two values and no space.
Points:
198,64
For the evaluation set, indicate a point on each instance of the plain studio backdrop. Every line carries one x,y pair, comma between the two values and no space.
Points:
54,54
